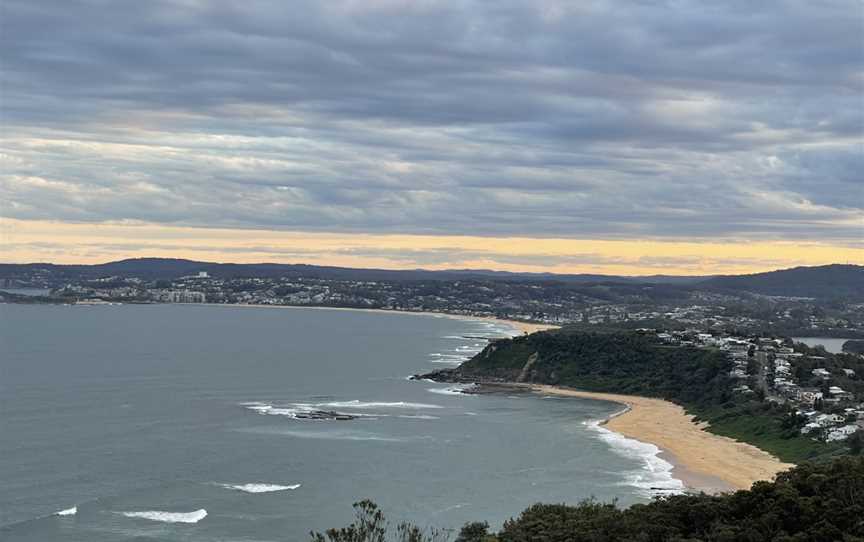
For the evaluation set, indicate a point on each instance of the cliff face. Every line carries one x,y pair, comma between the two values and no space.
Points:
504,360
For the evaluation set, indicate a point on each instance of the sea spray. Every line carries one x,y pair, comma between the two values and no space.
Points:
259,488
168,517
655,476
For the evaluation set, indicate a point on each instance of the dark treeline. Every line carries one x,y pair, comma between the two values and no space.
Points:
854,346
619,362
810,503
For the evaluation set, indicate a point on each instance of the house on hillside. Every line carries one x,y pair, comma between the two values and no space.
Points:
840,433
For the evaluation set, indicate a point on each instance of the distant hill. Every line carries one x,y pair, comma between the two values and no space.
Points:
830,281
171,268
826,282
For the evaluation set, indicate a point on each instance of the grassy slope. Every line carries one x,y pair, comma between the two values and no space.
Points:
765,431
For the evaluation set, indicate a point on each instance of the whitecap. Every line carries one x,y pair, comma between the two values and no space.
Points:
169,517
67,512
259,488
655,476
452,390
267,409
418,417
376,404
343,435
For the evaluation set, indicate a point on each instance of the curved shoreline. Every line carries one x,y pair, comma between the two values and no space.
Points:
522,327
702,460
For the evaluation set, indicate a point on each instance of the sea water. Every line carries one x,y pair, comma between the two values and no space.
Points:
173,422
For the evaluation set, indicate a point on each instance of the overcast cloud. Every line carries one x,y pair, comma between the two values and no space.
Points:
534,118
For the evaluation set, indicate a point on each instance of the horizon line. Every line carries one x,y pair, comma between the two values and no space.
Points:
425,269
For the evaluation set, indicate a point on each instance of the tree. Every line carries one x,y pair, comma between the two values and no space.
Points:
371,526
477,531
856,442
812,502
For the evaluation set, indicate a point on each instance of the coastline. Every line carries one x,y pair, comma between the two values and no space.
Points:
521,327
703,461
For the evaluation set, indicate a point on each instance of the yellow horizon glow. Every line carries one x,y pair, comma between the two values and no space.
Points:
28,241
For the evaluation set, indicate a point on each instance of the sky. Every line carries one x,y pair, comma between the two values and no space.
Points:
643,137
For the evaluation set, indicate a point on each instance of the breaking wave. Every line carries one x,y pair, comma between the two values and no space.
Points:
655,476
452,390
169,517
259,488
362,404
359,436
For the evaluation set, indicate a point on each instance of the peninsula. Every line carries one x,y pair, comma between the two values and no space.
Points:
693,401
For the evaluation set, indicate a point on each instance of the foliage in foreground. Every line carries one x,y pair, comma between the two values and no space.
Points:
371,526
810,503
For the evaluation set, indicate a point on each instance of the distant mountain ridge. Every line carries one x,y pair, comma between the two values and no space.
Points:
170,268
826,282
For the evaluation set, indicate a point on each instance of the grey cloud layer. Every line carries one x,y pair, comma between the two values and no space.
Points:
574,119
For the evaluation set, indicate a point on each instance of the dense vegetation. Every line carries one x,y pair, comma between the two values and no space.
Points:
854,346
810,503
610,362
828,282
632,363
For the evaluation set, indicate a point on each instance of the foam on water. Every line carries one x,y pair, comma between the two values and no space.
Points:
655,477
259,488
505,330
418,417
168,517
67,512
299,411
448,355
656,474
270,410
377,404
453,390
341,435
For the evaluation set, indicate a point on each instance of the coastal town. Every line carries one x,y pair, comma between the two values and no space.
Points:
825,395
599,303
823,391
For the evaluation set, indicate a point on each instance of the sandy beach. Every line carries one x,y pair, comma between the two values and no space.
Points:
702,460
522,327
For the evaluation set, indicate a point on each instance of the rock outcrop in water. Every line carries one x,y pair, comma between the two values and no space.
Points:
324,415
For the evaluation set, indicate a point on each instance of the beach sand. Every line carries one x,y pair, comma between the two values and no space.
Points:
703,461
522,327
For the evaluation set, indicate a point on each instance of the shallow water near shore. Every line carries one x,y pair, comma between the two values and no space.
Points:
172,422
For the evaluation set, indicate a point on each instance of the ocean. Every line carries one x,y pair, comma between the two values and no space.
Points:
186,423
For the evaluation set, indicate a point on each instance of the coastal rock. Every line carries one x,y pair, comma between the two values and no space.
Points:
324,415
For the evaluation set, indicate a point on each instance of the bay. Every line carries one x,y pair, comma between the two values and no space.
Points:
173,422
